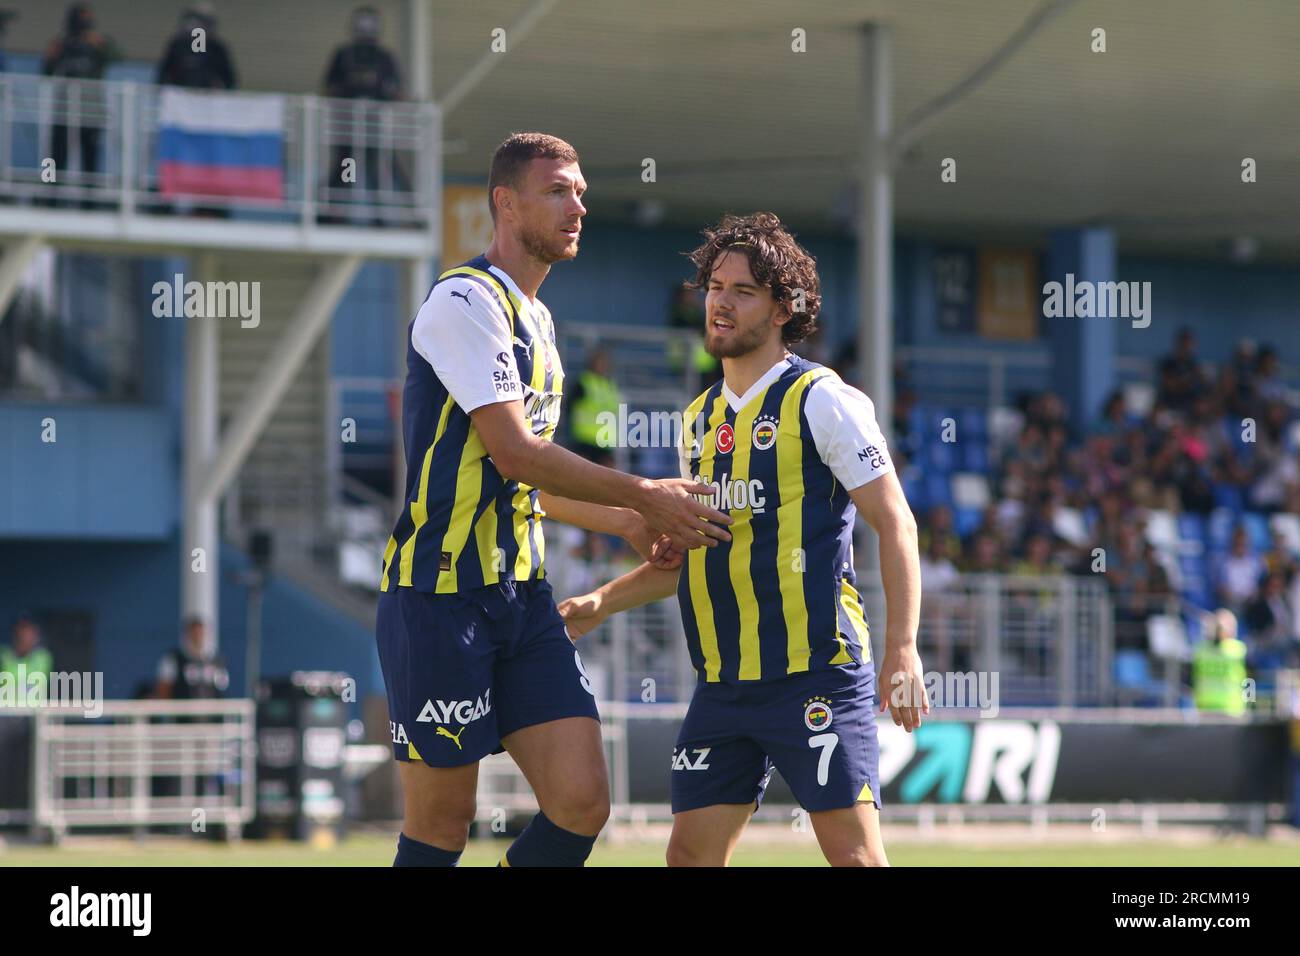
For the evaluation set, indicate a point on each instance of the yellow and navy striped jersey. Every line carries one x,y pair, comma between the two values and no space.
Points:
476,340
779,598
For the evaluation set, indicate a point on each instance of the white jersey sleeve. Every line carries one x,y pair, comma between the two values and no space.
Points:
462,331
844,429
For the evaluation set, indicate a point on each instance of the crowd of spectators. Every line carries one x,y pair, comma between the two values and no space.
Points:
1217,446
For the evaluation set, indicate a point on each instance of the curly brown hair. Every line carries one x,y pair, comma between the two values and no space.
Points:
776,260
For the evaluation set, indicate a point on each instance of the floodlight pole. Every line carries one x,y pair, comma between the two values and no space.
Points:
875,226
875,234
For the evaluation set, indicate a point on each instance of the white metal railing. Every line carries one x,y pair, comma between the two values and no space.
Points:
143,763
395,146
1050,640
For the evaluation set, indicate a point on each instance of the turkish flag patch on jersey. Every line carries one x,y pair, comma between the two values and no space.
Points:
726,438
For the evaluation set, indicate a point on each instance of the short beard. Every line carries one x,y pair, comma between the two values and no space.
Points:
537,247
741,344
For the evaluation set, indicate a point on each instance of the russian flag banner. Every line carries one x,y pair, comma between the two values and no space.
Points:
220,144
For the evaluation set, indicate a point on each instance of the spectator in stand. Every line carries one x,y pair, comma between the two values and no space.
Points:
1272,469
938,529
1270,619
1237,382
1278,559
984,555
1180,376
195,57
1114,417
1238,574
1180,462
1268,379
1137,584
938,573
1038,560
1041,522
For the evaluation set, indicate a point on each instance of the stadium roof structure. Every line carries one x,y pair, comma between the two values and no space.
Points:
1148,136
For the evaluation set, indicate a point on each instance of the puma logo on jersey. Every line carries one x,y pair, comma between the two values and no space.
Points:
455,711
455,738
526,346
682,759
464,295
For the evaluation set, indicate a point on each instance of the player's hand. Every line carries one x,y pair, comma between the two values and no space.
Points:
670,507
902,686
652,546
664,556
581,614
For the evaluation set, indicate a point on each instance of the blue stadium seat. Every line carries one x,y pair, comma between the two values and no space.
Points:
938,490
1192,566
965,520
1191,527
914,489
1256,526
1198,593
1222,522
1133,674
942,456
917,419
1229,497
975,456
1132,669
1090,516
974,423
1232,428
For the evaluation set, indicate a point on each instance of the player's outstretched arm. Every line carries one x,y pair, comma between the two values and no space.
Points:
668,505
640,586
901,680
602,519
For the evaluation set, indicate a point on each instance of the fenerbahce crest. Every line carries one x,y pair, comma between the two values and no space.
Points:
764,433
817,714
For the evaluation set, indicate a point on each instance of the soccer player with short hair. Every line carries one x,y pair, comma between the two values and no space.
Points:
474,653
774,623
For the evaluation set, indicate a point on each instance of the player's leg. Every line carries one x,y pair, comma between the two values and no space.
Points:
564,761
546,715
850,836
719,777
707,836
437,812
436,652
820,730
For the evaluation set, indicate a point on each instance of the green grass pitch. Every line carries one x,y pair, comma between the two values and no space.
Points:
374,850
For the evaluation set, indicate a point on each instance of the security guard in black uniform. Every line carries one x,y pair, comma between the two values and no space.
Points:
210,68
191,672
362,69
81,52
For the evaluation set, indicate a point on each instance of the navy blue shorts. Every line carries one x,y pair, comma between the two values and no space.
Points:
817,728
464,670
